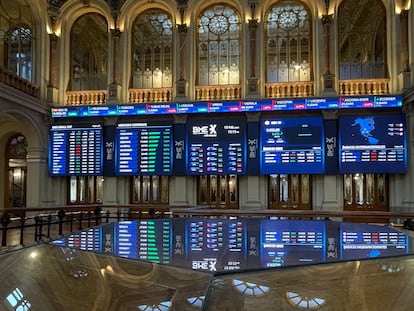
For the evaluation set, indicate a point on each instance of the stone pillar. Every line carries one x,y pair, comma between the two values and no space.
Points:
114,87
52,90
252,80
328,77
182,82
36,173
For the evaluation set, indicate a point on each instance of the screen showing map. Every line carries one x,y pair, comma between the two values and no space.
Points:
372,144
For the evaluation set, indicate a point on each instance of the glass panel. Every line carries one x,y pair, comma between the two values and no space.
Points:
218,29
359,188
89,53
136,189
155,184
99,189
223,189
152,50
362,40
381,189
10,188
73,191
213,188
274,188
233,189
287,30
305,189
203,189
348,188
295,188
82,189
370,188
165,189
284,189
146,189
91,189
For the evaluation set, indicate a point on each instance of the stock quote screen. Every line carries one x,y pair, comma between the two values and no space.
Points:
292,145
143,149
216,146
372,144
217,245
75,149
370,241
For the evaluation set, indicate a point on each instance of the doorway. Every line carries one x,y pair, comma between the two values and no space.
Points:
16,152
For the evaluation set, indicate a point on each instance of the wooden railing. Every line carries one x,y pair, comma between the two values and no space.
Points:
364,87
11,79
90,97
289,89
150,95
218,92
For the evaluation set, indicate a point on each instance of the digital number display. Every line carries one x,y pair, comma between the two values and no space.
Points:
372,144
75,150
208,240
289,243
282,104
371,241
292,145
143,149
148,240
216,146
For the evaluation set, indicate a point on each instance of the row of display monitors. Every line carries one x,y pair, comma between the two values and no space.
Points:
280,104
233,244
284,145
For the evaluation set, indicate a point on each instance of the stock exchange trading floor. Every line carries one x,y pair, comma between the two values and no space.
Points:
214,264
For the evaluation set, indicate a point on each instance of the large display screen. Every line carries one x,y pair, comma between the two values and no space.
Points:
292,145
143,149
75,150
370,241
372,144
290,243
148,240
216,146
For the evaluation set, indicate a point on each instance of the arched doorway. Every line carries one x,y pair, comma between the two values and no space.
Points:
16,166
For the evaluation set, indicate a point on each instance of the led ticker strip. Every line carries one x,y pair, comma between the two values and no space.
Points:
280,104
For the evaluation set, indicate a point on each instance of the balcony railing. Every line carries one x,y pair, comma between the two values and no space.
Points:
289,89
150,95
217,92
90,97
364,87
11,79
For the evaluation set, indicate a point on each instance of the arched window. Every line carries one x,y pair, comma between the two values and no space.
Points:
288,43
16,37
89,53
218,46
152,43
362,40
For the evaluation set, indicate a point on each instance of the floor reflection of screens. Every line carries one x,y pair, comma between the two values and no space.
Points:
371,241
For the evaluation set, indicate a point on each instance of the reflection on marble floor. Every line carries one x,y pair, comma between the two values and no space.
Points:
46,277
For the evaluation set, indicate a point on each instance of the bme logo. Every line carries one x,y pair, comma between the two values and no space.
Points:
205,265
206,130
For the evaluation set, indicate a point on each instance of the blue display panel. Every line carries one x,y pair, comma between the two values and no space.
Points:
148,240
282,104
207,241
369,241
290,243
143,149
87,240
372,144
75,150
216,146
292,145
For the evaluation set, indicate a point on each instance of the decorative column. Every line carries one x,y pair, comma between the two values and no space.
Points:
114,87
405,74
328,77
52,88
252,80
182,82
